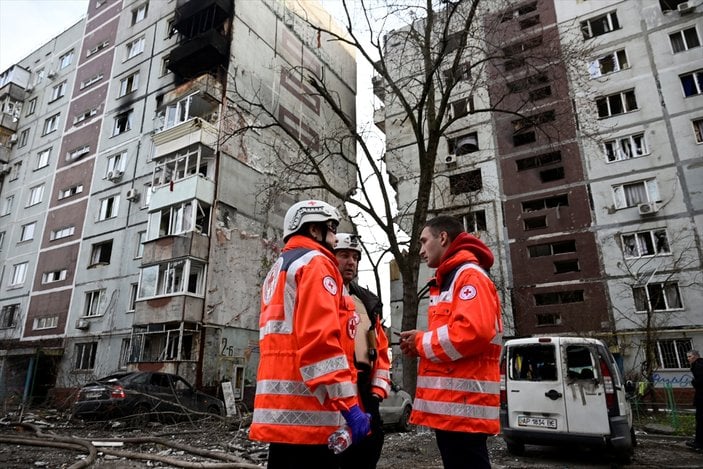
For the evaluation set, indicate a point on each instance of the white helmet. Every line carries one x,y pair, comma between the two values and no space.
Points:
348,241
307,211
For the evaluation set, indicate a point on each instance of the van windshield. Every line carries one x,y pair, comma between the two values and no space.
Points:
533,362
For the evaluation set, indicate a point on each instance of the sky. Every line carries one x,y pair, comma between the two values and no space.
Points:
27,24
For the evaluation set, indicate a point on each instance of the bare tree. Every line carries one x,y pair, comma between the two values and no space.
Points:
434,63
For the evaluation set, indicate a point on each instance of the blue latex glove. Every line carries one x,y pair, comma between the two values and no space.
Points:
359,422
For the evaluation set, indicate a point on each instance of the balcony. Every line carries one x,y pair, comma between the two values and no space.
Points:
193,131
379,118
8,121
189,188
189,244
168,309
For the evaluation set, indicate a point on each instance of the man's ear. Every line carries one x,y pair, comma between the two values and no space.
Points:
444,239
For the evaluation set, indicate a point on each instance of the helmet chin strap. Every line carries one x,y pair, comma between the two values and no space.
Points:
324,229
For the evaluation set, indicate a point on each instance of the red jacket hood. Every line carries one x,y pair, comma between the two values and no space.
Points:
465,248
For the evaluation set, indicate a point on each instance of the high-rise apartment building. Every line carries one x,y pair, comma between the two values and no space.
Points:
135,226
593,193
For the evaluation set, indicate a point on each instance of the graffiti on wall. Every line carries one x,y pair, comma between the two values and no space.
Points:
673,379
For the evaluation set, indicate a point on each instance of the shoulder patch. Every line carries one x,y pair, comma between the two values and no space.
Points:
330,285
467,292
271,280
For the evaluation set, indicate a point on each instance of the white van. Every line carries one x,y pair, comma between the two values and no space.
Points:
558,390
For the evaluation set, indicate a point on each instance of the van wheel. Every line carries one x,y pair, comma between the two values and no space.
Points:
404,422
516,448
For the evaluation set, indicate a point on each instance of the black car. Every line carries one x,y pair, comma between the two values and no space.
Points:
142,395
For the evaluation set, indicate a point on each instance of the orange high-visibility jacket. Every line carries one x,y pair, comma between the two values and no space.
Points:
306,339
458,384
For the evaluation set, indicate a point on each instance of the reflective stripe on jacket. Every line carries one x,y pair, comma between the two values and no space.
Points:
458,376
305,377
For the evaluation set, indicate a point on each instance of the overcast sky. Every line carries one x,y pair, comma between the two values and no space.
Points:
27,24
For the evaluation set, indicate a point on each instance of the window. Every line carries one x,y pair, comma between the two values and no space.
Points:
71,191
611,63
539,160
548,319
615,104
556,201
39,76
78,152
139,13
462,73
2,239
522,46
91,80
15,171
556,298
87,114
24,136
518,12
523,129
452,42
123,123
85,356
524,84
474,221
180,165
684,40
177,277
193,215
462,107
645,243
46,322
58,91
129,84
98,48
600,25
633,194
533,362
465,182
9,315
133,289
698,130
551,249
108,208
141,237
43,158
657,297
463,144
624,148
36,194
65,60
101,253
19,274
27,233
135,47
7,205
55,276
92,303
178,112
62,233
671,353
692,83
553,174
125,350
535,223
31,107
570,265
51,124
165,61
115,163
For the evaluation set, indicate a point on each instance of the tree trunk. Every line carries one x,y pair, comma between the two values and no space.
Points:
410,312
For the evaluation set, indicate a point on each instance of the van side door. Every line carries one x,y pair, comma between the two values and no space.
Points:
584,394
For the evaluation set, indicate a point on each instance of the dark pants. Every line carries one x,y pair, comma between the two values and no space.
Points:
699,419
463,450
366,453
284,456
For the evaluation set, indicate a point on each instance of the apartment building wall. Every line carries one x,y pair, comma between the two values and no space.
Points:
102,213
648,238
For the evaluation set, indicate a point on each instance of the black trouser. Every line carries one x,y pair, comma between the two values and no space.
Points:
698,402
285,456
463,450
365,454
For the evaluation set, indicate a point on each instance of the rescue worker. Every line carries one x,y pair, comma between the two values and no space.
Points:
306,382
370,355
458,376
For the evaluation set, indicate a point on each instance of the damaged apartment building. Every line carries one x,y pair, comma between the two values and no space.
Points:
136,223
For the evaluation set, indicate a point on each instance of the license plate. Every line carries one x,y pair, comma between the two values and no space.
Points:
540,422
93,395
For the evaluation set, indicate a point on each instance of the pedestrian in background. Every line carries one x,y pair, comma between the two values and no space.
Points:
694,359
306,383
370,356
458,376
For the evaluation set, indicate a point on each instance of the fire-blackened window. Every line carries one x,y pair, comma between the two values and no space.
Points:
465,182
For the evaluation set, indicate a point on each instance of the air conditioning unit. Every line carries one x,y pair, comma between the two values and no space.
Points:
13,138
29,88
450,159
115,175
51,74
648,208
4,169
132,194
685,7
82,324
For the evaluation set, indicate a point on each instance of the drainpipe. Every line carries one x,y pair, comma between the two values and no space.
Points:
29,380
